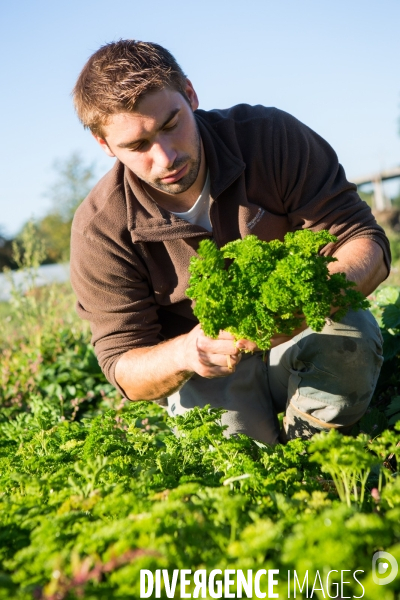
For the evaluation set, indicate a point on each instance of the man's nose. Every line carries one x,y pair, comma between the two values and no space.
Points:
163,155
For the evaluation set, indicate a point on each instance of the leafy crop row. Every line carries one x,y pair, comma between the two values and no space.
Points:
85,505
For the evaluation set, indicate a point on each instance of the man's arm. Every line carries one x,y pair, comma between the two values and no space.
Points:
158,371
362,261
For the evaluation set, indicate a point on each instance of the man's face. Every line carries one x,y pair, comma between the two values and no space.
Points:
159,141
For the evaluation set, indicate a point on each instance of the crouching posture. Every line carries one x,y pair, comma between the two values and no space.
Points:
182,175
320,380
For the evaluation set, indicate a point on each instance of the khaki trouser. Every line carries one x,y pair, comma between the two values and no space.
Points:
321,380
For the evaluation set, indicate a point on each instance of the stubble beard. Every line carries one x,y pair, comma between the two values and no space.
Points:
187,180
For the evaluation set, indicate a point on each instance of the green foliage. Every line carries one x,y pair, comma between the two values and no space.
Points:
346,461
44,347
73,182
55,234
394,240
393,410
62,370
384,410
268,287
86,505
28,250
6,261
388,301
368,197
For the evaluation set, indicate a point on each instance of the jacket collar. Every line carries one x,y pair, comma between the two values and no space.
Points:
224,166
149,222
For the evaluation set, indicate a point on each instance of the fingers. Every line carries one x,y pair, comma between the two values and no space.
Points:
218,358
211,371
224,344
225,335
246,346
213,357
227,361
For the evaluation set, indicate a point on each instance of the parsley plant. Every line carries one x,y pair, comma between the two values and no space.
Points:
255,289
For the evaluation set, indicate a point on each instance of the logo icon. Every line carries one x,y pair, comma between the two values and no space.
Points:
384,564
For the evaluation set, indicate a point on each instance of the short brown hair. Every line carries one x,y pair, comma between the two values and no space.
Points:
118,75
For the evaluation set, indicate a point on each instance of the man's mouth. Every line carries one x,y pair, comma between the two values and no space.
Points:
173,177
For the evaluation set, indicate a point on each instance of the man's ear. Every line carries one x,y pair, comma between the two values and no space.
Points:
104,145
191,95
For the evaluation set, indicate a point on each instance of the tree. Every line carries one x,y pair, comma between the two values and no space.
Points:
73,183
6,259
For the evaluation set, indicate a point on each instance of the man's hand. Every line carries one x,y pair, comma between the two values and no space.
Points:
158,371
207,357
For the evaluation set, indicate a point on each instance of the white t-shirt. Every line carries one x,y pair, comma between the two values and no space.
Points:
199,213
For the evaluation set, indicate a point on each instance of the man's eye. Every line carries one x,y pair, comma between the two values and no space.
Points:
171,125
138,148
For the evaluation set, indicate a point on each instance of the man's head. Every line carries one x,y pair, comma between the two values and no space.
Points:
139,105
118,75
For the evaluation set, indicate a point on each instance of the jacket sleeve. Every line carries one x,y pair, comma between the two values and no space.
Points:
114,296
313,187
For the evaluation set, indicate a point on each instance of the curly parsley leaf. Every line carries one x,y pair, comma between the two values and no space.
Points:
268,287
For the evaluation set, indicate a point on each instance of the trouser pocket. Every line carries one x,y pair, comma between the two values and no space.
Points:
333,376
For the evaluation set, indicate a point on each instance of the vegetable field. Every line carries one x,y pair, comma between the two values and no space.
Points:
93,489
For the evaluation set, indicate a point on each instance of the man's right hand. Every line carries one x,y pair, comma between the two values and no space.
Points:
158,371
208,357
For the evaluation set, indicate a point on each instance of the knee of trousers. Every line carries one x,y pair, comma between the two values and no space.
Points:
335,375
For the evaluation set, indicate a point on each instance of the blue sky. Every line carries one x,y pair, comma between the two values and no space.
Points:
334,65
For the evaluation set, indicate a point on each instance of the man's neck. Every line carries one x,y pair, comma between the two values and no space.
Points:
184,201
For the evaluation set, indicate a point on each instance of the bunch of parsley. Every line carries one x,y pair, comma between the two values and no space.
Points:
255,289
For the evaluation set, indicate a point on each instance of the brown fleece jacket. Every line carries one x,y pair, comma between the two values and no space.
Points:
270,174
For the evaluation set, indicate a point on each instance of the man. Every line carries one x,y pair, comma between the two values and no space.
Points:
183,175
